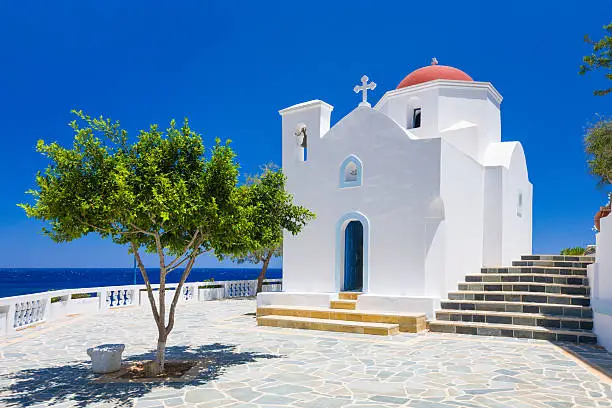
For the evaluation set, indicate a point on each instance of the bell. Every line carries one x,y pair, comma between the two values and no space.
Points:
304,143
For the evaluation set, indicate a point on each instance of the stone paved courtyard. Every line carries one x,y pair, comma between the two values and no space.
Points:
271,367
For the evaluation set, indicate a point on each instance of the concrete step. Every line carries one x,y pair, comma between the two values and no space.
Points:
348,295
408,322
518,307
308,323
546,270
573,258
528,277
527,297
519,331
553,264
343,304
525,287
521,319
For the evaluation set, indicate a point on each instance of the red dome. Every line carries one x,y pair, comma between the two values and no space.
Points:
433,72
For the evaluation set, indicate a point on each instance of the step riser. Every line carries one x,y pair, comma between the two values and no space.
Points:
558,310
531,278
510,297
323,326
343,304
536,270
523,287
549,322
407,324
572,258
485,331
348,295
559,264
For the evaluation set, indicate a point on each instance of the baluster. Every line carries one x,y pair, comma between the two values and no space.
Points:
17,319
28,314
36,311
128,297
121,297
108,298
115,298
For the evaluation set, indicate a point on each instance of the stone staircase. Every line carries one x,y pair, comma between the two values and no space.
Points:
341,316
541,297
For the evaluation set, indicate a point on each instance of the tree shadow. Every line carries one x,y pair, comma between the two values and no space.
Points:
74,382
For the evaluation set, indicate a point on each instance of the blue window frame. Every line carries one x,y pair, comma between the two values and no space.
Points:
351,172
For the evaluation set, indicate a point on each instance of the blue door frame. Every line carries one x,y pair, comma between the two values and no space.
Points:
353,256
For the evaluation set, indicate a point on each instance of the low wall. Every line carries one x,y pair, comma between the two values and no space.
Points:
600,280
19,312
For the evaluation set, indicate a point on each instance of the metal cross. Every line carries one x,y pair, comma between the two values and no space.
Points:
364,88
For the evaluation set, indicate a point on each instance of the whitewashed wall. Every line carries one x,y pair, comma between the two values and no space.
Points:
400,177
425,195
600,279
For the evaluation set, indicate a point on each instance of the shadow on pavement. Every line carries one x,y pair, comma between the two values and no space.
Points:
594,356
54,385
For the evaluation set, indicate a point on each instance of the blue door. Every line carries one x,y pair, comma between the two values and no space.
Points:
353,256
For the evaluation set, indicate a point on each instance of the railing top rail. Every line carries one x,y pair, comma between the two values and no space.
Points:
99,289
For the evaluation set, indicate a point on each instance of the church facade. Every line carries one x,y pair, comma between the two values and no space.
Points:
410,195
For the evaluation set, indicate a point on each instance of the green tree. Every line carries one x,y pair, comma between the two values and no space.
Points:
270,211
161,194
600,59
598,145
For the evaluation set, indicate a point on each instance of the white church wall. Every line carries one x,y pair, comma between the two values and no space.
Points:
493,216
600,280
462,193
508,204
517,213
405,180
473,105
464,136
400,105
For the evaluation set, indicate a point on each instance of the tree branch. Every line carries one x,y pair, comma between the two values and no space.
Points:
178,292
145,277
171,265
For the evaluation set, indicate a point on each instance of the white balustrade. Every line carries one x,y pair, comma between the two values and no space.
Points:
18,312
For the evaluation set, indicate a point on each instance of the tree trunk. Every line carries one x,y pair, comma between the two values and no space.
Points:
262,274
160,357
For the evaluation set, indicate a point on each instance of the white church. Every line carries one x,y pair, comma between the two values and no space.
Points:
410,195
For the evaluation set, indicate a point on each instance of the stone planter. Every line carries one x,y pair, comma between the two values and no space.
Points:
106,358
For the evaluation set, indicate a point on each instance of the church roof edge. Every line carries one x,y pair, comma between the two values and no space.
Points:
306,105
441,82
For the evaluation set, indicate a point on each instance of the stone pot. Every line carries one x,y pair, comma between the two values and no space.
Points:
106,358
602,213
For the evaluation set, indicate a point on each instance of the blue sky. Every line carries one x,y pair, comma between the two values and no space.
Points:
230,66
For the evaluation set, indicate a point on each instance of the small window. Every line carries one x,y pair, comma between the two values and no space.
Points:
416,118
519,207
350,172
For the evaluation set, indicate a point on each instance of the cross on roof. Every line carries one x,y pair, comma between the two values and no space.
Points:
364,88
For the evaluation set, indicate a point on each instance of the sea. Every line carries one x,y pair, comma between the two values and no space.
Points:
22,281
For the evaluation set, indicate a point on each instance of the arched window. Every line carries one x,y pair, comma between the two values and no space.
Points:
350,172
